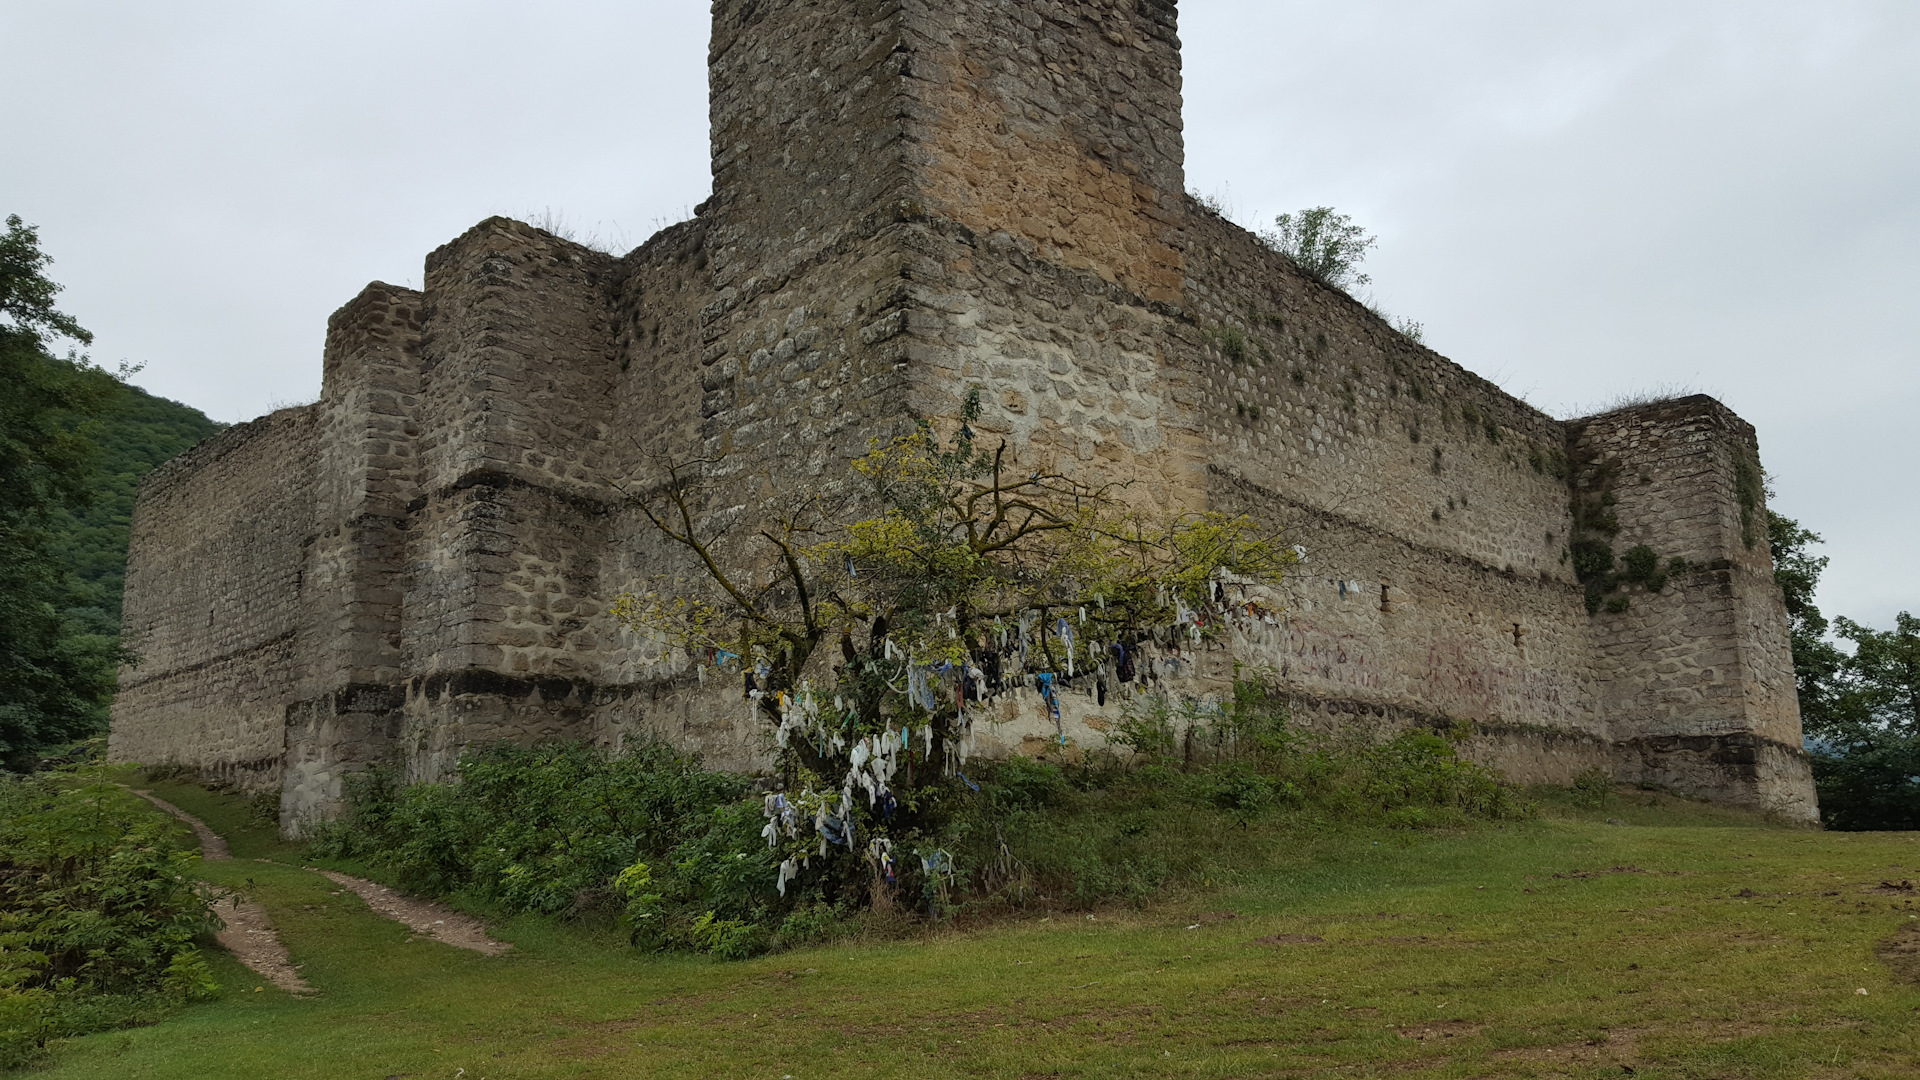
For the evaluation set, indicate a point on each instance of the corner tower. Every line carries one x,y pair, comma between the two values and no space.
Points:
911,198
1057,122
1696,675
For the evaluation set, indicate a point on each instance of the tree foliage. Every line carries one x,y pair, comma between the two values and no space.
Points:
44,460
1817,662
1860,709
53,682
971,575
99,910
1328,246
551,829
1867,753
135,433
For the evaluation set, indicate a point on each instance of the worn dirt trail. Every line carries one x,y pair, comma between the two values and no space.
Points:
423,917
249,934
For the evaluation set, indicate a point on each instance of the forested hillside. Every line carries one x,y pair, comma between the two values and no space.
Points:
137,432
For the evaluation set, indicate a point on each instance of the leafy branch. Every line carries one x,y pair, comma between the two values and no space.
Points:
971,575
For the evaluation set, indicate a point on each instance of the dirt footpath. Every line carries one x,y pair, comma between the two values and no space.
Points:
249,934
423,917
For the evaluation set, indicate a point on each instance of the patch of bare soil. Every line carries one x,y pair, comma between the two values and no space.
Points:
249,936
423,917
1901,952
248,933
1619,1047
1616,1049
1615,870
1289,939
1439,1030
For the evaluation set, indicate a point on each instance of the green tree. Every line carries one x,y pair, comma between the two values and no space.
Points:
1860,710
1817,662
1867,752
99,911
969,576
137,432
54,683
1881,692
1327,245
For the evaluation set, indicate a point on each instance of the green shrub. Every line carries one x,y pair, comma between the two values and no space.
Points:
1593,787
1232,342
1022,783
544,829
1592,560
648,837
1251,726
811,924
1870,784
98,914
729,939
725,866
677,854
1149,727
1230,775
643,906
1323,243
1641,565
1238,788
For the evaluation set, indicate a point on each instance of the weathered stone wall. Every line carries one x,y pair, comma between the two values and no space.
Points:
355,569
910,200
517,344
502,611
1431,505
1696,678
1058,124
215,602
366,471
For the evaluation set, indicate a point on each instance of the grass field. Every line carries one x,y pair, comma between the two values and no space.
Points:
1681,941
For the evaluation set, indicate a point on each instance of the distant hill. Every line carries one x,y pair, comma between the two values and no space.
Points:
138,433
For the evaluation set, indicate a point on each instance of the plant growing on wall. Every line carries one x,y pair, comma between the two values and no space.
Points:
1231,341
1749,483
867,648
1595,524
1324,243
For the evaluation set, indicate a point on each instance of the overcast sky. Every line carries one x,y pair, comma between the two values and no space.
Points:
1578,200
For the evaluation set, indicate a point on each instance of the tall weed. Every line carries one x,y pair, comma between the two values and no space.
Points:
536,829
99,910
1206,790
677,853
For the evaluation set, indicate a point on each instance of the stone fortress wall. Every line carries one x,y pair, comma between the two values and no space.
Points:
911,199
